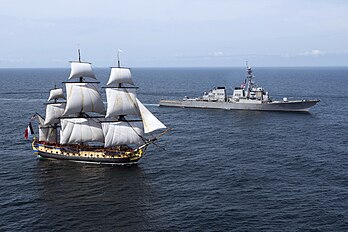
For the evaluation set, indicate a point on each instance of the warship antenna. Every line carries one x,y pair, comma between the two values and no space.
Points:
248,79
247,67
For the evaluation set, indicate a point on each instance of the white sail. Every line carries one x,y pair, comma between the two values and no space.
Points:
81,69
119,76
80,130
151,123
56,94
118,133
53,112
61,136
83,97
47,134
121,101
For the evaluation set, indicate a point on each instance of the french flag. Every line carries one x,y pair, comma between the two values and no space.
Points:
29,131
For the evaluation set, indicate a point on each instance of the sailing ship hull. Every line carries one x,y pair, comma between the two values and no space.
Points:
98,156
295,106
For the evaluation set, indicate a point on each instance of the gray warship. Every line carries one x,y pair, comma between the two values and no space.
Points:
248,96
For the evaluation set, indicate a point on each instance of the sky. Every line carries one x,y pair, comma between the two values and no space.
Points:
174,33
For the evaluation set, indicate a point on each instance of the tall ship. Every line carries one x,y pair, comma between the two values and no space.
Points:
248,96
79,128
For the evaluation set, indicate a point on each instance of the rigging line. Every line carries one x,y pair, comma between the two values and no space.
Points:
135,104
167,130
36,114
142,138
159,146
155,138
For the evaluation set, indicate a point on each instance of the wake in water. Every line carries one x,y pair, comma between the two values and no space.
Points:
22,100
151,104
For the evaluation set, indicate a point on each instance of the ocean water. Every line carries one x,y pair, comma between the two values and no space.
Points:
220,170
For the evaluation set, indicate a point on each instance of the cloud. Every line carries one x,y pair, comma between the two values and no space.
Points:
218,53
315,52
18,60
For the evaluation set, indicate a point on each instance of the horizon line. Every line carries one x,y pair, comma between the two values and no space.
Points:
182,67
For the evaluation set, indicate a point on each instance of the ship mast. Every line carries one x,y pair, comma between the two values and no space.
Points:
119,64
81,78
79,52
120,117
83,97
54,109
55,125
127,119
249,77
122,126
118,58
